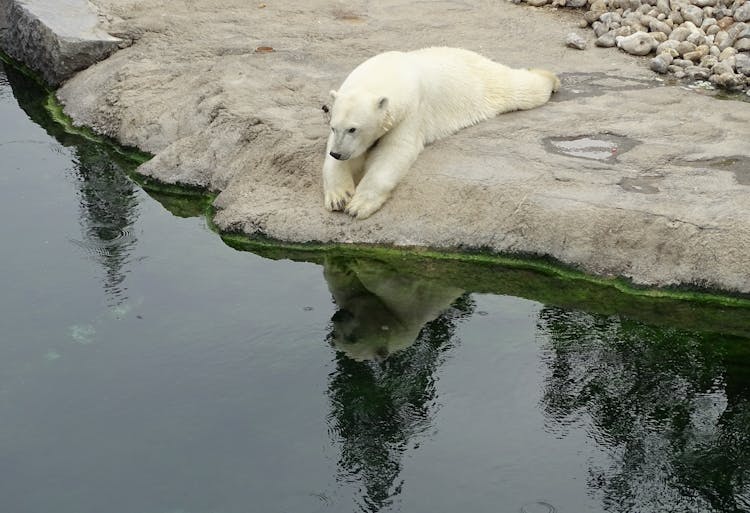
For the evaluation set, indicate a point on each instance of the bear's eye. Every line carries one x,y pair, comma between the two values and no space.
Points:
352,130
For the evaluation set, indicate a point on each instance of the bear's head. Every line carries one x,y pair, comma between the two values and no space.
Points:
358,120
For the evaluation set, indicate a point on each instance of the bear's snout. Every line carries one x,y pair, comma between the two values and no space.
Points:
335,155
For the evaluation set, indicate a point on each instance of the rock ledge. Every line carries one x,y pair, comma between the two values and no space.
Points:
55,38
620,175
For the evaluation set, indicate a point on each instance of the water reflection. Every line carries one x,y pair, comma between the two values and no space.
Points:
381,310
671,408
391,332
107,197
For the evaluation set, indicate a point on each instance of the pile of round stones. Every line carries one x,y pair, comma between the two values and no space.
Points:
701,40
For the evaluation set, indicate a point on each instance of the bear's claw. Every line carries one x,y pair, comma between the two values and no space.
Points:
337,200
363,206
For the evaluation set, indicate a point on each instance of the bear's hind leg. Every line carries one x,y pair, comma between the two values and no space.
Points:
549,76
338,181
521,89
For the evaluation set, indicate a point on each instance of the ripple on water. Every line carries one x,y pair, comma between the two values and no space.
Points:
101,242
538,507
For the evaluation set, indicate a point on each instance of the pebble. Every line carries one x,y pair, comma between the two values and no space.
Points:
606,40
685,47
709,61
640,43
660,64
576,41
707,22
727,80
679,34
600,28
737,31
693,14
697,73
742,13
742,62
722,68
725,22
670,46
702,40
697,38
727,53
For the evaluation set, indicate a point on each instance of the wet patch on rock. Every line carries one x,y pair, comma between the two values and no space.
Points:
604,147
739,165
641,184
348,17
586,85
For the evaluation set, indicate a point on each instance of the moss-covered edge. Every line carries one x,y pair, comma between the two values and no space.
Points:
302,251
546,266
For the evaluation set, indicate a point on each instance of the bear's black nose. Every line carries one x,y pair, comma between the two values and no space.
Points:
335,155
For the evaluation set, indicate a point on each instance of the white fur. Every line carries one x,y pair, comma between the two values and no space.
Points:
405,100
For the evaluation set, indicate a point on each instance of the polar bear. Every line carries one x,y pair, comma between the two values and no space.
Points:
395,103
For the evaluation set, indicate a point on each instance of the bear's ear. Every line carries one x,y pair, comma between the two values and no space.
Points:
382,102
333,94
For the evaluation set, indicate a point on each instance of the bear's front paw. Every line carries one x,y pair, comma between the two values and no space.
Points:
337,199
365,204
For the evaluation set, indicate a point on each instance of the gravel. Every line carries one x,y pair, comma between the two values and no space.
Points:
694,39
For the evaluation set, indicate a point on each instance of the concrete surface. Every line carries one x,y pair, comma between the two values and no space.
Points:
620,175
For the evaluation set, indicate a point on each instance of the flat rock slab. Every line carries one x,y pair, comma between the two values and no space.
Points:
620,175
55,38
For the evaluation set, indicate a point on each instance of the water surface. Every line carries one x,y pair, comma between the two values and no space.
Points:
147,367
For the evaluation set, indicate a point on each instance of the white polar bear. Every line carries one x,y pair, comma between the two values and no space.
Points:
395,103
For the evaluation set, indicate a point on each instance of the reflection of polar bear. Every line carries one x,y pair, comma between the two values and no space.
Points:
381,310
393,104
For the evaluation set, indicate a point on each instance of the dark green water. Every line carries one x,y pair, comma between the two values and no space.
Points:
147,367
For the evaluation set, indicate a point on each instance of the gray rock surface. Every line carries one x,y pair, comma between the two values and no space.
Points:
56,38
618,175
